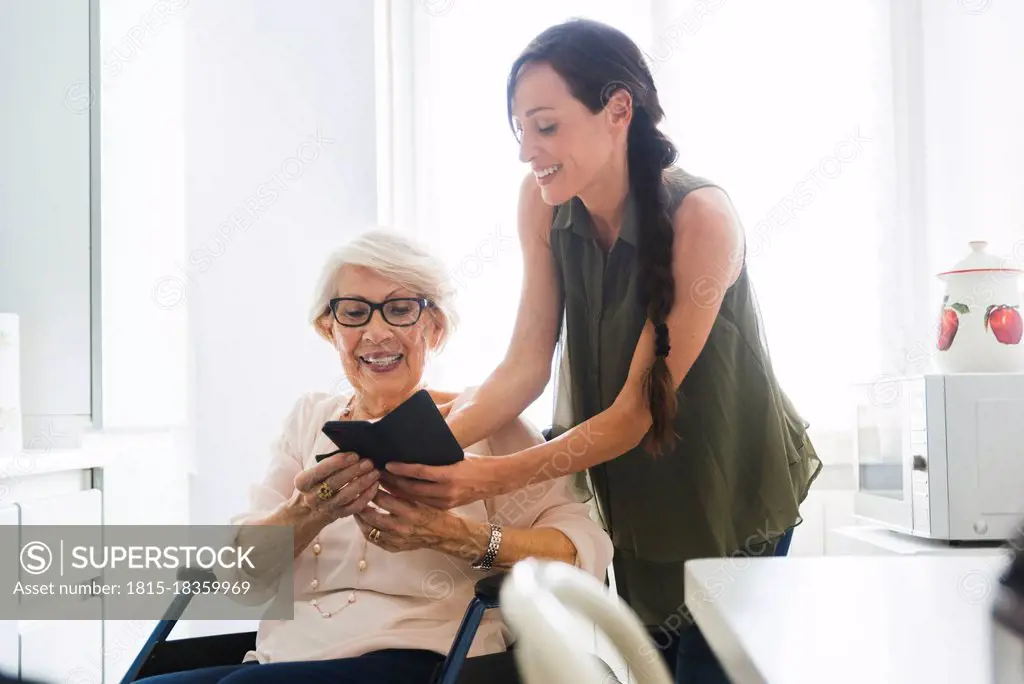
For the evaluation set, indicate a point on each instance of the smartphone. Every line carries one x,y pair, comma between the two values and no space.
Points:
414,432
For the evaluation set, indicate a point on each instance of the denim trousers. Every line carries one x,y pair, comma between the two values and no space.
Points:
687,653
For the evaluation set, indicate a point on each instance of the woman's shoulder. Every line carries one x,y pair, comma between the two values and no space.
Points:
678,183
516,435
700,206
441,396
681,179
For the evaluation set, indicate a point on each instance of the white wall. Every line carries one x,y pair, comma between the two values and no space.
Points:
144,331
144,341
279,119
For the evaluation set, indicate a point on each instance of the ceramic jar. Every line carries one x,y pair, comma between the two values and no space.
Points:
979,328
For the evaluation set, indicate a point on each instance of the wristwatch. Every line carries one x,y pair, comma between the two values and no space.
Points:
487,562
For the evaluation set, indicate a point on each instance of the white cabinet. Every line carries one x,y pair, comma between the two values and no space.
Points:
9,648
9,628
78,508
53,489
66,651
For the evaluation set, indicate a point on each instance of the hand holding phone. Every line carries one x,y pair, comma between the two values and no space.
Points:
352,479
414,432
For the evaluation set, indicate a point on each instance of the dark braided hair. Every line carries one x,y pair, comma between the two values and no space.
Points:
596,61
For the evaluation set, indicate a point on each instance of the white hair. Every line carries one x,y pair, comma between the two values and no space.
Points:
397,258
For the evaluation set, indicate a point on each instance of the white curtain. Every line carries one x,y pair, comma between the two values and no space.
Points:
807,113
789,106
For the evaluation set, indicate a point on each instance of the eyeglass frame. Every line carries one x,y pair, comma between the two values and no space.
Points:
332,306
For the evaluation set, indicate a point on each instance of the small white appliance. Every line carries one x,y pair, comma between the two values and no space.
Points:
942,456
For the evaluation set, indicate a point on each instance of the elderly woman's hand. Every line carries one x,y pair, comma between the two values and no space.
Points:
406,525
337,486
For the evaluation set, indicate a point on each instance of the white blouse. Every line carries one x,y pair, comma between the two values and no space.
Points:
411,599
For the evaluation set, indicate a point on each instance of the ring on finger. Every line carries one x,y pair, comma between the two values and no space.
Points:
325,492
374,535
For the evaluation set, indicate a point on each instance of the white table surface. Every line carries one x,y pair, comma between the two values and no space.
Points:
847,619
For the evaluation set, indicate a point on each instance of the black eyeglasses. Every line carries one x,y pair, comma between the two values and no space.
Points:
401,312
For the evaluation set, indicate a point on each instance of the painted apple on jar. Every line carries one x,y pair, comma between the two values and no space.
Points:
979,325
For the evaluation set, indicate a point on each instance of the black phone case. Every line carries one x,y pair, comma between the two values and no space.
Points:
414,432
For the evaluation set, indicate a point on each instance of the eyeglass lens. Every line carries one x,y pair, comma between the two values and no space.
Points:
396,312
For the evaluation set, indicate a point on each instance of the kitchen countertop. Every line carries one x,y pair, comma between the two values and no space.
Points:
869,540
41,461
847,618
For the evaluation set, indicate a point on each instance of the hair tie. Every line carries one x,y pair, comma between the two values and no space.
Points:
661,345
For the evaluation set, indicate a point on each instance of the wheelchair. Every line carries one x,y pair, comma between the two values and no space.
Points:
160,655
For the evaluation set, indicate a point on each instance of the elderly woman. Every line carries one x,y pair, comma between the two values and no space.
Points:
381,589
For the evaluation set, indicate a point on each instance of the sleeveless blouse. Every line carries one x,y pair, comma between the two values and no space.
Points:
742,462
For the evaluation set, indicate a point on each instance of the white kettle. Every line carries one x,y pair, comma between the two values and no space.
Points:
979,328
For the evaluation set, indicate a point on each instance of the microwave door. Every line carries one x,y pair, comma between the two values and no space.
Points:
884,460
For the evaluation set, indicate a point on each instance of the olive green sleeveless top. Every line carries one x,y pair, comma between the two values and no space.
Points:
742,462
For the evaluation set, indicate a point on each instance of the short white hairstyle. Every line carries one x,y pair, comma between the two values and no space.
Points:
396,258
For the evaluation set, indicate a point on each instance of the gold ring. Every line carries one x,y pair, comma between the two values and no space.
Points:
374,535
325,492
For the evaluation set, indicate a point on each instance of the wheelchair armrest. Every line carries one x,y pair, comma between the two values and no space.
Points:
489,588
196,575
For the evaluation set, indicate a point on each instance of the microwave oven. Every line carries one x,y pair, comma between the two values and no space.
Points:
942,456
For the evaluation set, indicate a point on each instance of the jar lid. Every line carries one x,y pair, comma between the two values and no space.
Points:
979,261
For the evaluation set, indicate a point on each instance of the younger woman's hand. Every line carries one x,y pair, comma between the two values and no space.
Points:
451,486
351,483
406,525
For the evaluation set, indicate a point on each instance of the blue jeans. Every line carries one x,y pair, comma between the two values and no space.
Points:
687,653
393,666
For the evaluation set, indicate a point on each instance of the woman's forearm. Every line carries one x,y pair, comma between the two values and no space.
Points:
470,544
269,558
506,393
304,521
606,436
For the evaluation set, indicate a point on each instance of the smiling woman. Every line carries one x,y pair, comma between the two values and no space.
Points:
382,582
370,305
634,270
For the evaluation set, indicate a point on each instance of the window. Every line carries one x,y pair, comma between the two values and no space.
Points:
466,169
789,106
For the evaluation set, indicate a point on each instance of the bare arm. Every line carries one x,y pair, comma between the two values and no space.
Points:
353,479
518,515
543,521
408,526
470,544
524,373
704,264
305,522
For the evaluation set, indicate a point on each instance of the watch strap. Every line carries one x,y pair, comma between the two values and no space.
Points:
493,544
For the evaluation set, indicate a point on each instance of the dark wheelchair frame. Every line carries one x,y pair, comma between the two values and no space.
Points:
160,655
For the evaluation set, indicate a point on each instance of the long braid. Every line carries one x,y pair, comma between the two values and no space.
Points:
649,154
596,62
